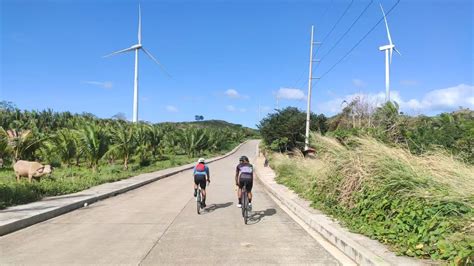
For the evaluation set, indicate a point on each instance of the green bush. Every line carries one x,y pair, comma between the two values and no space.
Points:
285,130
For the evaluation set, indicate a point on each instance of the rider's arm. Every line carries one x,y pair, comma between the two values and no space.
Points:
208,175
237,176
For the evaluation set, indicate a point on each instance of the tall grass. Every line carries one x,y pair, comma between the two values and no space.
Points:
421,206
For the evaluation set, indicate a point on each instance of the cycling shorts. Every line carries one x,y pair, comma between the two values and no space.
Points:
200,180
248,182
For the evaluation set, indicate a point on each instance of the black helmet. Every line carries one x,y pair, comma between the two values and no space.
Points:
244,158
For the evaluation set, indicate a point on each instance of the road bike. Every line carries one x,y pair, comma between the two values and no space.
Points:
199,201
245,202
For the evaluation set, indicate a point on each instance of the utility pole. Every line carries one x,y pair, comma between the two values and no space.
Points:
310,83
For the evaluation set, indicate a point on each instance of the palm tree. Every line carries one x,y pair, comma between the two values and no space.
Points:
22,143
218,139
4,148
94,144
156,135
124,143
193,140
65,144
142,135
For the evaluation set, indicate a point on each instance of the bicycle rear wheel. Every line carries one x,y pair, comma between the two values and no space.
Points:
245,204
198,201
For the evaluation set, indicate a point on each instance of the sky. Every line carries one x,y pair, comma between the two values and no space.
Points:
233,60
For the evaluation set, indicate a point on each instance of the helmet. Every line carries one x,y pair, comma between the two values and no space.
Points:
201,160
243,158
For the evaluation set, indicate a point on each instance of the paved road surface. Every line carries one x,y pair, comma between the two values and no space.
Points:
158,224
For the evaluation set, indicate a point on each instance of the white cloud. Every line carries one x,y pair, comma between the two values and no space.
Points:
449,98
290,94
231,93
435,101
358,83
102,84
171,109
232,108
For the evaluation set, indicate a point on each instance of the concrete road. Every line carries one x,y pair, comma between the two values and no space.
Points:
158,224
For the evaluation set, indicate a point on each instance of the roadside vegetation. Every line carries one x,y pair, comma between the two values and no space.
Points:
406,181
86,151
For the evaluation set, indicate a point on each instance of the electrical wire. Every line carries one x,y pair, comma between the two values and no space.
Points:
357,44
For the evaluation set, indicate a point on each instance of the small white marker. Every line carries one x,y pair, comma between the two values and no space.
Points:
85,204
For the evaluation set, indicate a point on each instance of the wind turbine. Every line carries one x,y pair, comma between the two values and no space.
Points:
136,48
388,60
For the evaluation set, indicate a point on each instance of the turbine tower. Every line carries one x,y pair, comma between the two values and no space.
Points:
136,48
388,59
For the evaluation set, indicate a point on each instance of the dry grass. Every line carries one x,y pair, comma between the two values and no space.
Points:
435,175
389,194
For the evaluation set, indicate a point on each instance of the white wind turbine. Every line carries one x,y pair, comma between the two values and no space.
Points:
388,60
136,48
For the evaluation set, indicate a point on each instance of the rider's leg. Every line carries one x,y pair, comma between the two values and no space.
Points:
195,187
203,189
249,189
239,195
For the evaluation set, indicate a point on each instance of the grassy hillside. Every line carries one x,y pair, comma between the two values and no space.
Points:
420,206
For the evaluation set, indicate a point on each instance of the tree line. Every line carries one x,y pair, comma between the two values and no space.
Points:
65,139
284,129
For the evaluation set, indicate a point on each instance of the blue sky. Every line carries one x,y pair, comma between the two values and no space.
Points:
227,57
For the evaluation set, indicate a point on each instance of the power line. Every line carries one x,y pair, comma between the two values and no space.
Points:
347,31
334,26
357,44
323,16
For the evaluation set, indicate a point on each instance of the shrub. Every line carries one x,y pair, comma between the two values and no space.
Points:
285,130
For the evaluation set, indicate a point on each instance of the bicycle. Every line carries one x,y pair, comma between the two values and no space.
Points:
245,202
199,202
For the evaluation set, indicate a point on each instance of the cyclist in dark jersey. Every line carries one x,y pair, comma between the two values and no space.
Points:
244,174
201,174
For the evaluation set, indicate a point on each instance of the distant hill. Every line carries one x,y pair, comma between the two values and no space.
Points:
209,123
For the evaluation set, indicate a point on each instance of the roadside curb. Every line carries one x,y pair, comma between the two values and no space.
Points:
359,248
21,216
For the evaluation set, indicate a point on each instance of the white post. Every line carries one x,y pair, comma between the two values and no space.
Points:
135,90
387,77
310,81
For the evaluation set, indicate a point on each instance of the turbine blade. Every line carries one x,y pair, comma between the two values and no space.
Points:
397,51
386,25
139,24
121,51
156,61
